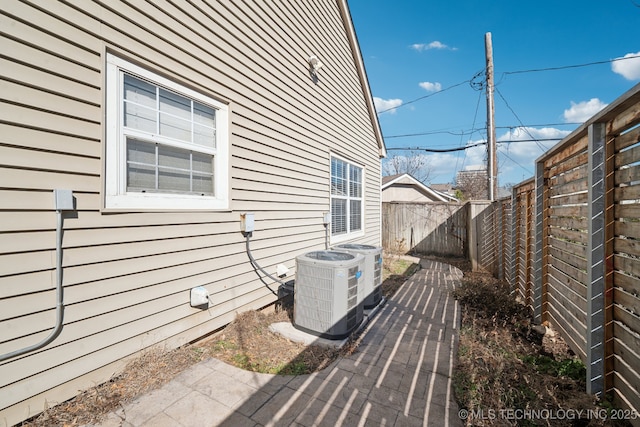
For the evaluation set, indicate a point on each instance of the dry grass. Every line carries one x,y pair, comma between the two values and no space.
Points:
145,373
248,343
505,365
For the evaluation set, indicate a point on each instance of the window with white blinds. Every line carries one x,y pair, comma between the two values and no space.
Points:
167,145
346,198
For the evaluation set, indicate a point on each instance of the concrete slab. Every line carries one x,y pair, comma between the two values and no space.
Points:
287,330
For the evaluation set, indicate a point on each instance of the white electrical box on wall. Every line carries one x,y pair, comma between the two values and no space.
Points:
63,200
247,222
199,297
326,218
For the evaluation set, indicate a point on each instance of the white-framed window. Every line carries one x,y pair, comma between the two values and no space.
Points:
347,203
166,145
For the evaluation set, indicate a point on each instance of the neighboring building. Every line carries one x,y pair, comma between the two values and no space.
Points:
446,189
167,121
405,188
473,184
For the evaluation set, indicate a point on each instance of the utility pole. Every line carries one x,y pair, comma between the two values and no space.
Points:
492,165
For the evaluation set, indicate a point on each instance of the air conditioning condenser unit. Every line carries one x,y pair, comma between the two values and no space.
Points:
326,293
372,274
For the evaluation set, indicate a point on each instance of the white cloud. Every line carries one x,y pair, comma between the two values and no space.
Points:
430,87
386,105
520,154
628,68
583,111
433,45
526,152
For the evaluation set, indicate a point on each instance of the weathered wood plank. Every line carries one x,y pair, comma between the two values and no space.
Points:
630,210
571,290
625,120
571,199
626,264
569,188
570,247
569,211
571,259
623,396
627,175
566,327
627,246
574,149
630,339
628,301
627,139
627,192
630,320
568,301
569,223
630,229
575,174
628,283
579,275
568,164
568,235
627,157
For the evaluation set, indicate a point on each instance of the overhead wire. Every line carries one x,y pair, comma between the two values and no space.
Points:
423,97
564,67
474,130
526,130
475,117
478,83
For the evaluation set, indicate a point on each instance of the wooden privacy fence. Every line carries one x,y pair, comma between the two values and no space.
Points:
428,228
575,246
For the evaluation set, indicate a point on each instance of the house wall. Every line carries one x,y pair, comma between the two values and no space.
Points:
127,275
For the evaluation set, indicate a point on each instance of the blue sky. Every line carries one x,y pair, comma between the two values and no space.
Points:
432,49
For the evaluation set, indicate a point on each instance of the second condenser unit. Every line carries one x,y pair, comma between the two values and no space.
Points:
326,293
372,292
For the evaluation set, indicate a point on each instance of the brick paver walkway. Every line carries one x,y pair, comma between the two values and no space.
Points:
400,375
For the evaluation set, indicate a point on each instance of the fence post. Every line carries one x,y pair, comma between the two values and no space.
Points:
513,253
539,288
600,220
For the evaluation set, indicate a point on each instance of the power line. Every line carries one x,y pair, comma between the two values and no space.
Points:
423,97
564,67
435,150
514,161
473,130
479,85
520,121
477,144
435,132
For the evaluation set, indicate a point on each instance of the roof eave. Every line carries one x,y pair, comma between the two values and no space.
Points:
357,56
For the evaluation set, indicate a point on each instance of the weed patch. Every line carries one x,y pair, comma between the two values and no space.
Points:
504,365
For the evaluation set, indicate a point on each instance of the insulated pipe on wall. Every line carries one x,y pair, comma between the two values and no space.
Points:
63,201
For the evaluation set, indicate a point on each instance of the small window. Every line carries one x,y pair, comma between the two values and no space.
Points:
346,199
166,145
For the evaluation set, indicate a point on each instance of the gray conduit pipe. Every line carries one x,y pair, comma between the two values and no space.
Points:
59,298
255,265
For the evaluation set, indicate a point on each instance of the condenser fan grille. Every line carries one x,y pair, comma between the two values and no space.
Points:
329,256
356,247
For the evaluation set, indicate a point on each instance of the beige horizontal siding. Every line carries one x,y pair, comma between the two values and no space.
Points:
127,276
